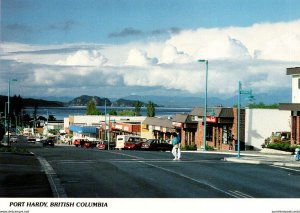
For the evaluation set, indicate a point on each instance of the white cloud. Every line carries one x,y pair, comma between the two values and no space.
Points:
84,58
137,57
257,55
171,55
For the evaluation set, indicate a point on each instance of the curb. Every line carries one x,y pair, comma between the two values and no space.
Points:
248,161
18,153
58,190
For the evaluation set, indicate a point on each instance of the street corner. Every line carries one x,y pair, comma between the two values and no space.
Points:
243,160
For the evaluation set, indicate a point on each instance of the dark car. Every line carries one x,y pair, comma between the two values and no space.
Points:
48,142
157,145
103,145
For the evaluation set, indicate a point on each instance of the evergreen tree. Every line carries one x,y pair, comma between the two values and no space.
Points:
137,110
150,109
91,108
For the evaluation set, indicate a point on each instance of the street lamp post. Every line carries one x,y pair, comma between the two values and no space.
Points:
241,92
47,122
205,102
8,109
105,121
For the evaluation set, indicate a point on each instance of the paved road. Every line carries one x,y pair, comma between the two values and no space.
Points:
93,173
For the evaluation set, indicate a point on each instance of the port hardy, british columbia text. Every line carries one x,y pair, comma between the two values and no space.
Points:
58,204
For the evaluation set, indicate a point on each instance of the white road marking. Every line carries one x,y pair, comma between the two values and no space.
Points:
240,194
192,179
57,189
295,170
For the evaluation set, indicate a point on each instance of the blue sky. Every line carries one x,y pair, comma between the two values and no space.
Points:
115,48
114,21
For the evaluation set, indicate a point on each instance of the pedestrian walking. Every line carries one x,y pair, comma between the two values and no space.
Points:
176,147
179,146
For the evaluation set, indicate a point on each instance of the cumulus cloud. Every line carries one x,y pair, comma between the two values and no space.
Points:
171,55
257,55
84,58
137,57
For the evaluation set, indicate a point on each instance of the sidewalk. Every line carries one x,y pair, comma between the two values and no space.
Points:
267,159
258,157
22,176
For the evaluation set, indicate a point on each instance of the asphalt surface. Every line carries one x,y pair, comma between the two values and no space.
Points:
22,176
27,175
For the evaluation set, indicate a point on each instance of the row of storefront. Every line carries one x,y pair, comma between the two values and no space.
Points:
221,128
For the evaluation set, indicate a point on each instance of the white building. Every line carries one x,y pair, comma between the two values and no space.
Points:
260,123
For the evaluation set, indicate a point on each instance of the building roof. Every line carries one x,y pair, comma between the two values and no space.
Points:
183,118
289,106
163,122
220,112
293,71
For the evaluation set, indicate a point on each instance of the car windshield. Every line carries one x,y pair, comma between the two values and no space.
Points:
150,141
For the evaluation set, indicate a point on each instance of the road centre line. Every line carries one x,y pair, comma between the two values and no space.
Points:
241,194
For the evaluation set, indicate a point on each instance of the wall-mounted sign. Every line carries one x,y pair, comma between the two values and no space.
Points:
211,119
118,126
177,124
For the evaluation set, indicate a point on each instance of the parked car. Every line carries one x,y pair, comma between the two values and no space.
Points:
89,144
133,145
103,145
13,139
31,140
48,142
122,139
157,145
79,142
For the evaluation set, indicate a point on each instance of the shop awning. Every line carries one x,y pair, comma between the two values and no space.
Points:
83,129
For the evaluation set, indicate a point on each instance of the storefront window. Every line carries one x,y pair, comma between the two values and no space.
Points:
209,133
225,134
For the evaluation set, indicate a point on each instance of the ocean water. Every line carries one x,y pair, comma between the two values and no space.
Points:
61,112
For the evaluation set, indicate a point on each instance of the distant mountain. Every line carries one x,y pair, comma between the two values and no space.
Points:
31,102
63,99
85,99
284,97
128,103
42,103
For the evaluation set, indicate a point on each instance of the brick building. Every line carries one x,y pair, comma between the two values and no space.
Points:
221,127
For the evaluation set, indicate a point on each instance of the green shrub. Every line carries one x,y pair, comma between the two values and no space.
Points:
190,147
210,148
282,146
249,147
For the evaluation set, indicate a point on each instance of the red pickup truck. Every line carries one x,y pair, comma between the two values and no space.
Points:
79,142
84,143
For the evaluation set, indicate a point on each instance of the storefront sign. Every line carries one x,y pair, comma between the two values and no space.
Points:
118,126
177,124
126,128
157,128
211,119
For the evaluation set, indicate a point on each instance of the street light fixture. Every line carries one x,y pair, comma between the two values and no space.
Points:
250,97
8,109
205,101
